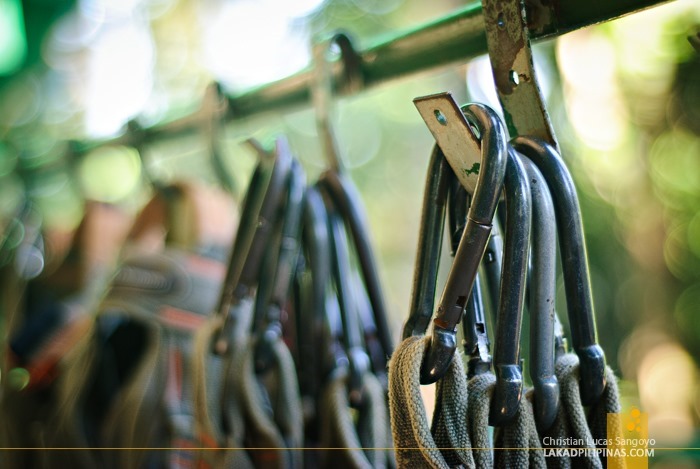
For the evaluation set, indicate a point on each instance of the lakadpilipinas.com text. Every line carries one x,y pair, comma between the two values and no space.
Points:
606,447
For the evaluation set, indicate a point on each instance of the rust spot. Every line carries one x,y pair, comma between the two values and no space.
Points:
441,323
504,43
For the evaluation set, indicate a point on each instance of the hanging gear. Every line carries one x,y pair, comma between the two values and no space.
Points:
130,381
409,423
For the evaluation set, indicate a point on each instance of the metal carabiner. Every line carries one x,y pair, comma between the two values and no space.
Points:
311,322
268,321
359,362
572,245
427,262
506,352
260,207
508,388
349,206
443,342
340,188
475,340
373,345
542,294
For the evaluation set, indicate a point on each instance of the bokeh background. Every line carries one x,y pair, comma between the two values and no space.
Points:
624,97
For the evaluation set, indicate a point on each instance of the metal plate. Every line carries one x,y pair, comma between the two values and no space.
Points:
508,40
453,134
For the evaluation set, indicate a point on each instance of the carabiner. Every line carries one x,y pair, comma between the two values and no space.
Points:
475,340
438,177
511,300
260,208
542,293
311,325
349,206
443,342
268,320
359,362
506,352
572,246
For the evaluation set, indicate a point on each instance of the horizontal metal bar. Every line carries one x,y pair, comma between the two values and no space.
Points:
454,38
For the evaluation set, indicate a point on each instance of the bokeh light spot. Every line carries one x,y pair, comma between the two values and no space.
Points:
663,364
110,174
675,163
18,378
686,311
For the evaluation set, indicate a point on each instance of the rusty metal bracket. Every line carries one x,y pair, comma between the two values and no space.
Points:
454,136
508,43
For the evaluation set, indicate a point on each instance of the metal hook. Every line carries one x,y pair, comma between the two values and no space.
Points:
354,346
472,246
215,107
454,135
506,353
347,201
269,321
572,245
312,324
516,82
542,288
257,219
340,189
432,219
350,79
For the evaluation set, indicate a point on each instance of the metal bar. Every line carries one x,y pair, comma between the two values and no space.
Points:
452,39
455,38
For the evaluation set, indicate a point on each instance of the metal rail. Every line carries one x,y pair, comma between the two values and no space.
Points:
452,39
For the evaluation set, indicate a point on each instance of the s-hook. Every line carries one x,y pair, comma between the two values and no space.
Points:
349,80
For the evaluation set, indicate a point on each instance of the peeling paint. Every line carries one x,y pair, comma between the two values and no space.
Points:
474,169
